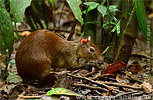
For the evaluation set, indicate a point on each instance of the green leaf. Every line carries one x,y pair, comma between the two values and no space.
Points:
88,3
6,31
17,8
108,23
116,21
74,5
61,91
52,2
102,9
12,78
113,8
2,5
117,28
12,61
141,16
92,6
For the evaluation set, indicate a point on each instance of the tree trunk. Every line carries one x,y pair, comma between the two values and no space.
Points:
128,39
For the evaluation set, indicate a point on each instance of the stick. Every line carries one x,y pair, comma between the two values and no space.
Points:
126,93
31,97
23,93
72,30
123,85
131,76
2,85
92,81
141,56
90,87
90,73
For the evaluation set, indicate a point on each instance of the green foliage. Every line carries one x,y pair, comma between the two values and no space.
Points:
102,9
12,61
6,31
116,23
142,19
141,16
52,2
117,28
12,78
36,14
113,8
17,8
92,5
74,5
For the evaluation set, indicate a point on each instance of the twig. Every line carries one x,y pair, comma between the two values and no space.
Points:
90,73
72,30
102,76
138,93
31,97
90,87
2,84
131,76
76,71
95,77
141,56
126,93
98,93
23,93
105,50
123,85
92,81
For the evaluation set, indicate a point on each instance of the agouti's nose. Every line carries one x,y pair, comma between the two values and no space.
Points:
101,62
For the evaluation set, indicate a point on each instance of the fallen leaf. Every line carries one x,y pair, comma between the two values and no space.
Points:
62,91
147,87
12,78
25,33
8,88
12,61
135,68
115,67
3,58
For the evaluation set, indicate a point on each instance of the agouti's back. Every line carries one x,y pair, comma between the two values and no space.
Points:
43,49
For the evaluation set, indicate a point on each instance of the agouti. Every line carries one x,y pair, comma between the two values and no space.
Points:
42,50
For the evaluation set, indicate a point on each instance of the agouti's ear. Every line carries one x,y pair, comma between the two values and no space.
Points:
84,40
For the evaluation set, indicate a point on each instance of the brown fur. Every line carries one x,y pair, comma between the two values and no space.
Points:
43,49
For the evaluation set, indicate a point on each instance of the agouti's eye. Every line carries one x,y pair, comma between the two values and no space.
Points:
92,49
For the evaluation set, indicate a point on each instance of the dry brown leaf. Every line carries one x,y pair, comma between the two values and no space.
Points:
147,87
2,58
25,33
135,68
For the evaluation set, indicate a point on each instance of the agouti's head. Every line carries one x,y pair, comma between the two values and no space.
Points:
88,51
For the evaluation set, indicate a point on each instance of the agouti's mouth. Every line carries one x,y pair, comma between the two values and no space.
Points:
101,62
97,63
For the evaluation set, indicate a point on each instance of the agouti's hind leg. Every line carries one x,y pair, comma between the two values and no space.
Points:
46,77
49,80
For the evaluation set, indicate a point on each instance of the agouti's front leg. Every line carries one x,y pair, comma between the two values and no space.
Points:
81,63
